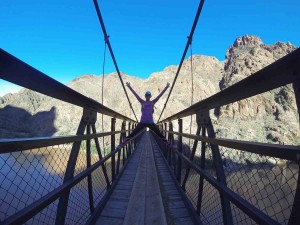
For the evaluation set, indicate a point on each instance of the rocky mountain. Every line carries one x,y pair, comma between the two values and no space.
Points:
269,117
273,114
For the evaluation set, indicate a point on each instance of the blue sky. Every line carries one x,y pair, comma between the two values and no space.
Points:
63,38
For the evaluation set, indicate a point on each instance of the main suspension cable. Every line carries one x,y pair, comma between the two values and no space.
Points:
106,37
190,37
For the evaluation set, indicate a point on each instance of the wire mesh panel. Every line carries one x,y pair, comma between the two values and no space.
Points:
27,176
266,182
99,182
240,218
78,205
31,179
211,210
46,216
81,163
192,187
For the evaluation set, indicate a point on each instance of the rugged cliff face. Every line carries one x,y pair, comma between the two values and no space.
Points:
269,117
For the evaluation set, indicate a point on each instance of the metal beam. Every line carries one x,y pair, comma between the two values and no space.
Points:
179,148
288,152
20,73
31,210
34,208
21,144
89,177
217,161
113,146
62,207
254,213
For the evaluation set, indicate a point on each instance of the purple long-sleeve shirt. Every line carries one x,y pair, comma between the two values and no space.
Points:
147,106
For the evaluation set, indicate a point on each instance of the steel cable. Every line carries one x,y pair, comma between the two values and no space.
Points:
192,94
184,53
102,94
106,37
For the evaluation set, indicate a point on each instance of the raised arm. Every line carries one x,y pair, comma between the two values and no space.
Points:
135,94
163,91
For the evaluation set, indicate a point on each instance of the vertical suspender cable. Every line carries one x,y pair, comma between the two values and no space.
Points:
106,37
102,96
184,53
192,94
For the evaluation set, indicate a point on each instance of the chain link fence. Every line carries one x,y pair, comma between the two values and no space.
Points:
26,176
268,183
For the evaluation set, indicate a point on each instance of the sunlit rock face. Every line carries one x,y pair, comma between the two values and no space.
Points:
271,116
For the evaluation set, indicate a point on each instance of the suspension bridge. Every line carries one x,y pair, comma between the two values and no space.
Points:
145,180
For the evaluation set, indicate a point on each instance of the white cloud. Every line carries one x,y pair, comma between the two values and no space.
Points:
7,87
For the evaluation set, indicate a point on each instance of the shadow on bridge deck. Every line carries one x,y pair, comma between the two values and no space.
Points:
146,193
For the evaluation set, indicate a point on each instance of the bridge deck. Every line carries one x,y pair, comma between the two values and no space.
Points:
146,193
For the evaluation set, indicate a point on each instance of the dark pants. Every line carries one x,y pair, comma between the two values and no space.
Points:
141,126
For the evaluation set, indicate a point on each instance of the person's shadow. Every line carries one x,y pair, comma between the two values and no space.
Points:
18,123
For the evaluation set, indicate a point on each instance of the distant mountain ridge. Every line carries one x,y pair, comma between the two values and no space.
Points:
275,112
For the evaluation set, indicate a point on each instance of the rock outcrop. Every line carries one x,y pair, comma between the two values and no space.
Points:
275,110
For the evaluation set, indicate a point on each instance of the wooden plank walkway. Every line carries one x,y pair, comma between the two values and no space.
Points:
175,208
138,196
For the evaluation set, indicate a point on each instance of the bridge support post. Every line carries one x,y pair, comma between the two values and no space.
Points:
100,156
296,87
295,214
179,148
171,141
164,147
89,117
203,119
63,200
134,142
129,144
202,166
88,163
191,158
113,146
126,146
165,128
123,127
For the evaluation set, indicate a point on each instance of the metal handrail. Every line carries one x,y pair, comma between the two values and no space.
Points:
22,144
262,149
288,152
281,72
31,210
18,72
14,70
246,207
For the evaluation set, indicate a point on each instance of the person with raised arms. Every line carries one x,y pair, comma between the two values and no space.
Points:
147,113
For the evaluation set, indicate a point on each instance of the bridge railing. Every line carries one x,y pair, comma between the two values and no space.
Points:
65,179
232,181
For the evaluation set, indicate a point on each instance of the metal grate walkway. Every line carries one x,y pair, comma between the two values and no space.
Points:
145,193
